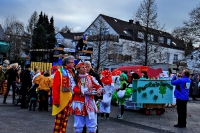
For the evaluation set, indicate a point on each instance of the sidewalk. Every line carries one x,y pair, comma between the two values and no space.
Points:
13,119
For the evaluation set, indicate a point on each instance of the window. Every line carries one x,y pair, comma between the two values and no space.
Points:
58,37
104,31
168,57
168,41
150,37
90,32
118,49
140,35
191,57
175,58
161,39
155,50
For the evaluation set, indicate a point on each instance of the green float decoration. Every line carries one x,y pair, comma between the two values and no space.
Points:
162,90
144,95
155,97
151,91
156,84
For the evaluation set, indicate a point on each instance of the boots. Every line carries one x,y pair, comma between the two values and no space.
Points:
4,101
30,106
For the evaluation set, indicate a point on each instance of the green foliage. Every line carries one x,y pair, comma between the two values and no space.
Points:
39,38
155,97
156,84
144,95
162,90
151,91
44,34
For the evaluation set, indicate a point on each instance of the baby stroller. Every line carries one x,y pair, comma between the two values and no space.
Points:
18,95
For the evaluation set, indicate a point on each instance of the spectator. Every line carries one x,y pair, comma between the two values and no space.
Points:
194,86
44,85
26,85
11,76
182,97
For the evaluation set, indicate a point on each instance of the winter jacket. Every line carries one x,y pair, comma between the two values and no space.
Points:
184,83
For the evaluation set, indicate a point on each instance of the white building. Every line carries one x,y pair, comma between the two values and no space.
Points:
129,49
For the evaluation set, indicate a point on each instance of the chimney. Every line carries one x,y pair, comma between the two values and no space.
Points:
130,21
137,23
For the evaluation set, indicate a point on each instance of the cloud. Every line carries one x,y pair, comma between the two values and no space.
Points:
79,14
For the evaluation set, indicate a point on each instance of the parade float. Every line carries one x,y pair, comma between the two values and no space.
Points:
151,93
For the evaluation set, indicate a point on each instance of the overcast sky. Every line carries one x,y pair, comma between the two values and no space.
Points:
79,14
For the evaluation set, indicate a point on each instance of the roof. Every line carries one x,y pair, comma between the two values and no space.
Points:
127,29
71,35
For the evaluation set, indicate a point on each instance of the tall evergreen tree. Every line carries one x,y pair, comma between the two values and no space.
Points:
39,38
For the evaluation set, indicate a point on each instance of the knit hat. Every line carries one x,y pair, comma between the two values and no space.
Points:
124,76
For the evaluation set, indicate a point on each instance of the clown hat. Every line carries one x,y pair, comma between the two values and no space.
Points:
80,64
116,72
106,80
106,73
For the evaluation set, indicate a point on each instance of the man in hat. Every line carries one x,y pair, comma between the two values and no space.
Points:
63,85
26,84
83,105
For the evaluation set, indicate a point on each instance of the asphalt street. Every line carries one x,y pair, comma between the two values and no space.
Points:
13,119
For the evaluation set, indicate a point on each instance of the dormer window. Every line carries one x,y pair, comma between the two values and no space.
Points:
168,41
161,39
140,35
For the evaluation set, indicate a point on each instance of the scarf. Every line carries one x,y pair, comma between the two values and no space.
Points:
86,85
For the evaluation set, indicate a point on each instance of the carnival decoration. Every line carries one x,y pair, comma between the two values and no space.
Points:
106,73
154,73
116,72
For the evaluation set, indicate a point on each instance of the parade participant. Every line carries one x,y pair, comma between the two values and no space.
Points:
91,72
182,96
26,85
122,93
11,76
44,84
5,68
109,88
83,105
63,85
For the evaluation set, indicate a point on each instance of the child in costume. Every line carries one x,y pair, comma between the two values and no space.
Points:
122,93
83,105
109,88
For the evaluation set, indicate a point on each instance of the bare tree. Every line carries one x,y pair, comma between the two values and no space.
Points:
103,42
66,29
14,30
32,22
146,15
